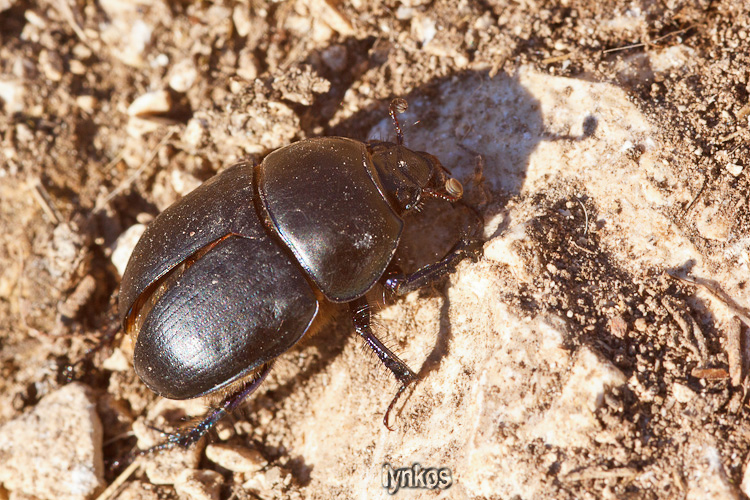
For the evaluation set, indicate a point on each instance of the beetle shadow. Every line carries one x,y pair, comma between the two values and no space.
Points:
311,356
441,347
484,130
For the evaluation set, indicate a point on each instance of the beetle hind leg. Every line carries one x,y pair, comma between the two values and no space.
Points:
360,310
191,435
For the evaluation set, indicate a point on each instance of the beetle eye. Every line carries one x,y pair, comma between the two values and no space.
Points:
454,188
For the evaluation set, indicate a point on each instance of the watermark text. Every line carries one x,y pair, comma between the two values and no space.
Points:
416,476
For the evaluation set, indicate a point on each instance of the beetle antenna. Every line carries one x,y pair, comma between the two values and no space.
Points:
398,105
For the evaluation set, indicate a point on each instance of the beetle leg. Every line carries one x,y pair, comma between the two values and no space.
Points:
360,310
191,435
400,284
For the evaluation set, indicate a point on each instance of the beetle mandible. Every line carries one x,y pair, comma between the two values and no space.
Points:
233,275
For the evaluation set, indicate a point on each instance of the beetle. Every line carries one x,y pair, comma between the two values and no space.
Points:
232,275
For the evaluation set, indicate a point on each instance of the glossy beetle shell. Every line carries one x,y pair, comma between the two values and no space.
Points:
224,280
323,199
238,306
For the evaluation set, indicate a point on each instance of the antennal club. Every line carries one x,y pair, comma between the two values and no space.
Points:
398,105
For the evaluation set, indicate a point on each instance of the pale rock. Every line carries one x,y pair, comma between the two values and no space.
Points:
124,246
117,361
682,393
505,250
77,67
265,483
87,103
247,65
734,169
704,472
571,421
183,182
711,224
54,451
196,132
51,64
672,57
241,18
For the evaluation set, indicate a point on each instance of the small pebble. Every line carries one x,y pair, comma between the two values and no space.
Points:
77,67
183,75
640,324
734,169
87,103
196,132
151,103
264,483
236,458
51,64
682,393
241,18
199,484
247,65
125,245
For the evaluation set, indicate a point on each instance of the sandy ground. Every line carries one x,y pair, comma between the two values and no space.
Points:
599,349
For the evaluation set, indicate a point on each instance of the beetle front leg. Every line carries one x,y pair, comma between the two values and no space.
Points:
360,310
400,284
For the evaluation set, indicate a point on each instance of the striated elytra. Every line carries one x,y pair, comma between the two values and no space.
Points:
233,275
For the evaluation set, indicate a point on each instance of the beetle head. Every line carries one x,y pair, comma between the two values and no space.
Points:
407,176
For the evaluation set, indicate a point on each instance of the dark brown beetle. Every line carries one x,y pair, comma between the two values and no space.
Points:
232,275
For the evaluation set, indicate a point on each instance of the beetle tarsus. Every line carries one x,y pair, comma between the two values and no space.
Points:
396,397
360,310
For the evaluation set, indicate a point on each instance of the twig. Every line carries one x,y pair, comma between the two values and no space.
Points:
41,196
597,473
117,483
700,191
734,351
66,10
737,309
114,161
700,351
652,42
586,228
730,136
579,247
626,47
